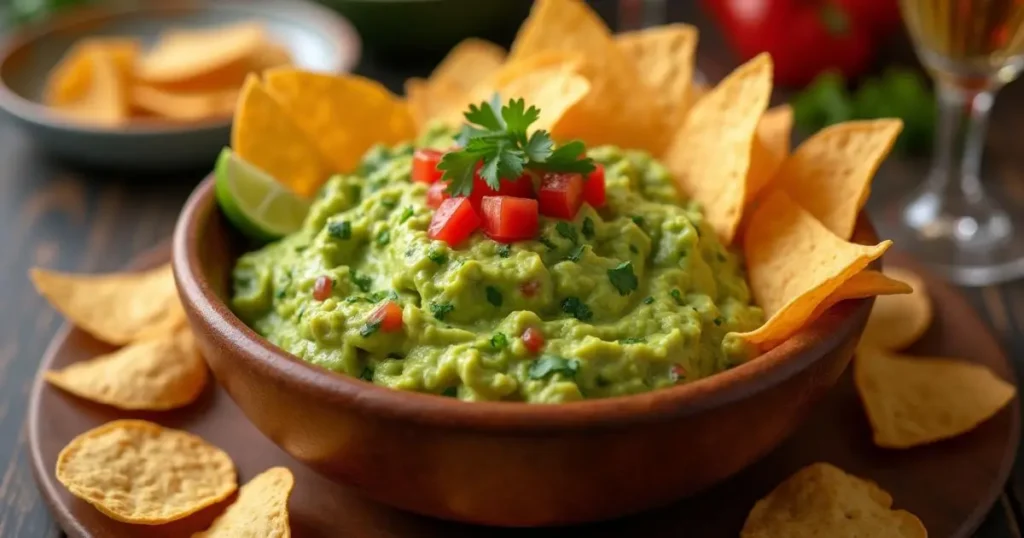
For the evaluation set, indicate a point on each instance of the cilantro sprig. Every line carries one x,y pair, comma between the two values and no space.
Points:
496,136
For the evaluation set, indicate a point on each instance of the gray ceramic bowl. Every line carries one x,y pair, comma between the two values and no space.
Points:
317,38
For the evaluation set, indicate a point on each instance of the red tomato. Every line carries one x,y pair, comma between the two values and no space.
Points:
533,339
678,371
424,165
436,194
529,288
522,187
454,221
322,287
507,219
560,195
593,187
389,314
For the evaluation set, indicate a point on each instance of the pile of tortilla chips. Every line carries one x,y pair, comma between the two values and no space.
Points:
186,76
133,470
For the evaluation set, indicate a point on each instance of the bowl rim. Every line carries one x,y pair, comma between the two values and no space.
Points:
335,28
799,352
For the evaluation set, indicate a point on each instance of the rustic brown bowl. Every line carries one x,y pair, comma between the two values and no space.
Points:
509,464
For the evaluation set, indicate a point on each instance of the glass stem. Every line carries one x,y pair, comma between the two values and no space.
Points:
960,139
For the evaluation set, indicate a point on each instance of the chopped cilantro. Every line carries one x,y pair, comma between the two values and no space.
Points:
577,308
553,364
622,278
493,296
406,213
499,341
588,228
576,253
648,300
678,296
631,340
383,238
567,231
361,282
379,296
366,374
440,310
638,220
547,243
369,328
450,392
504,251
340,230
437,256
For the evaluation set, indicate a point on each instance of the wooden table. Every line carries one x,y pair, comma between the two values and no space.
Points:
59,216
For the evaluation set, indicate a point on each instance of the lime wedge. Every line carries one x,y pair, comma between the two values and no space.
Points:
259,206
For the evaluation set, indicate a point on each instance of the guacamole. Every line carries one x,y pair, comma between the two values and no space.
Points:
636,296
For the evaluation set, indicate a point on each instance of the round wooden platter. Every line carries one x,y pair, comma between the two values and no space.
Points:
950,485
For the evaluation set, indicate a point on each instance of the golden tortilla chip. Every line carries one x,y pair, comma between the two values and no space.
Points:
184,54
261,509
155,375
617,110
118,308
71,79
265,135
139,472
867,283
270,55
105,100
467,64
794,264
697,90
664,57
344,115
771,148
822,501
912,401
830,173
897,322
183,106
710,154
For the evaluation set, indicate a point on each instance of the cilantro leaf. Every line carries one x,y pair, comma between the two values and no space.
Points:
553,364
539,147
568,157
493,296
577,308
458,168
486,114
499,341
517,118
440,310
623,278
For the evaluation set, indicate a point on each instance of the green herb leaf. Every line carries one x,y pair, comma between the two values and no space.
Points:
339,230
440,310
547,243
486,114
361,282
437,256
406,214
553,364
576,253
622,278
450,392
539,147
568,157
577,308
678,296
499,341
366,374
648,300
504,251
383,238
588,228
567,231
493,296
638,220
369,328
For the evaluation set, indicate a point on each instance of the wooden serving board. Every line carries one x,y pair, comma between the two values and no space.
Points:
950,485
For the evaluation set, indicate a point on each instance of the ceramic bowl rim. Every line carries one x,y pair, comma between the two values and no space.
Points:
794,355
336,28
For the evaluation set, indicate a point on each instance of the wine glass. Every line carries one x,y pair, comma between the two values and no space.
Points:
953,221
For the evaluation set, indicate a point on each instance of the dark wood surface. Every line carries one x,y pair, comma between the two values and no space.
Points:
70,218
949,485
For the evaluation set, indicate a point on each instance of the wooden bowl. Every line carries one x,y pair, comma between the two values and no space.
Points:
501,463
317,38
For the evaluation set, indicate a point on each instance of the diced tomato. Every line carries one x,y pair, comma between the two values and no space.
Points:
529,288
454,221
436,194
322,287
560,195
522,187
507,219
593,187
424,165
533,339
389,315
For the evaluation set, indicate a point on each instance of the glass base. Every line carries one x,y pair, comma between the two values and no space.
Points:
967,237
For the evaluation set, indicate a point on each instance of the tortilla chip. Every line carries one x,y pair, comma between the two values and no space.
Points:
105,100
71,79
270,55
616,110
118,308
184,54
710,154
155,375
912,401
344,115
897,322
664,57
467,64
794,264
821,501
261,509
771,148
830,173
867,283
183,106
139,472
265,135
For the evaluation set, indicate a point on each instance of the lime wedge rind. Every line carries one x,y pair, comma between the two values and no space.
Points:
254,202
